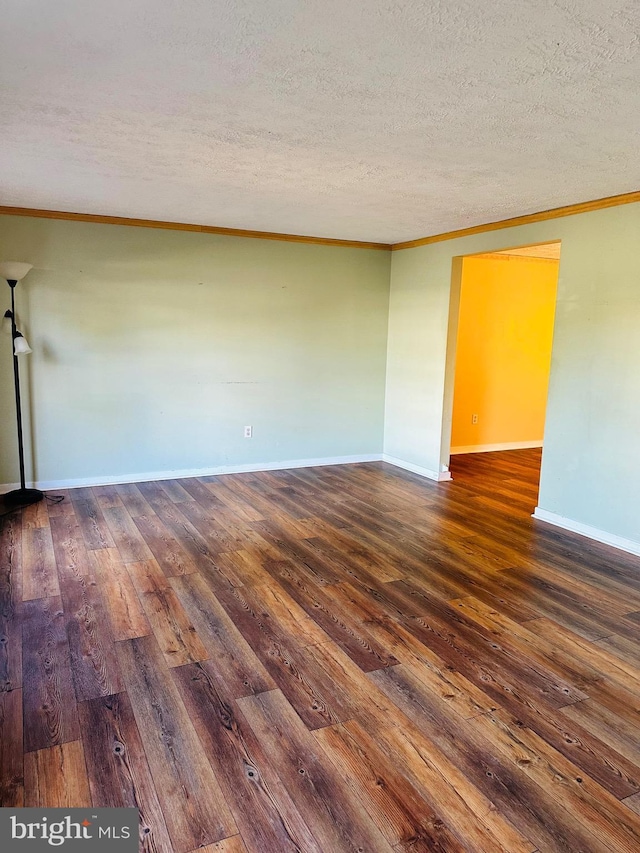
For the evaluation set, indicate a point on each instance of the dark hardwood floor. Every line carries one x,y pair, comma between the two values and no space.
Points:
323,660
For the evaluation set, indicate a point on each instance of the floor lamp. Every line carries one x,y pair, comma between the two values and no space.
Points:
13,272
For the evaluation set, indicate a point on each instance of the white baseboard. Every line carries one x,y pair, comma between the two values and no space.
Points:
620,542
489,448
440,477
147,476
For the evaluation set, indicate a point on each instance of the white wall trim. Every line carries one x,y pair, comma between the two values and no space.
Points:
147,476
488,448
440,477
586,530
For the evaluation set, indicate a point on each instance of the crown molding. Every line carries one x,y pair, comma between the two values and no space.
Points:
183,226
554,213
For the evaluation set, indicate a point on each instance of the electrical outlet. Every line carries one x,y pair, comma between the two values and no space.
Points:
248,432
474,419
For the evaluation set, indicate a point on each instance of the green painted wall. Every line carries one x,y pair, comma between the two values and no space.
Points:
591,458
154,348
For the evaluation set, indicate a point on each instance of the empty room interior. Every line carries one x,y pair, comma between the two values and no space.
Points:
319,458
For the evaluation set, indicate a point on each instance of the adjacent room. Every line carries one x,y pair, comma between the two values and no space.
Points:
503,350
504,335
320,386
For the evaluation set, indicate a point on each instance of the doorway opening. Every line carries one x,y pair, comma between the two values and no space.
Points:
499,361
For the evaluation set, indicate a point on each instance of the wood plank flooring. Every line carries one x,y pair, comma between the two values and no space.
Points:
346,658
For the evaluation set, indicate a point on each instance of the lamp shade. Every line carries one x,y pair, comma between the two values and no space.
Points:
7,327
14,270
20,345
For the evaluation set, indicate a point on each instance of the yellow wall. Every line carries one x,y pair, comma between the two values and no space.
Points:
503,355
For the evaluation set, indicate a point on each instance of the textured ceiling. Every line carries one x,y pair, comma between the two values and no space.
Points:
383,120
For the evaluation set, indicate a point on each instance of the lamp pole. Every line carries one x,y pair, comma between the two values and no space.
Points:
22,496
16,380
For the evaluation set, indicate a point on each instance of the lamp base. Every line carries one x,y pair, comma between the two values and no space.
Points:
22,497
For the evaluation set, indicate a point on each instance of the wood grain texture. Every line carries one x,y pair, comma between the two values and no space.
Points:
350,634
171,556
237,506
401,809
176,636
133,500
56,777
470,811
578,793
107,497
292,665
247,566
235,844
40,578
176,490
92,523
128,539
199,548
264,811
11,755
336,816
72,559
60,504
235,665
451,744
193,805
118,772
50,711
326,659
633,803
119,595
94,664
10,598
35,515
